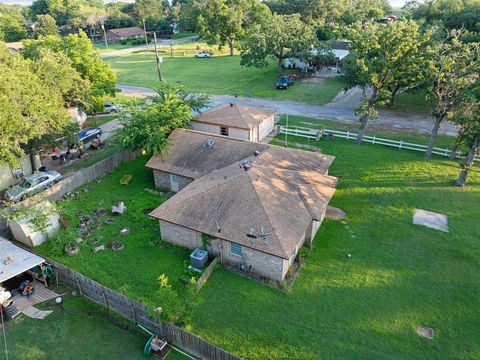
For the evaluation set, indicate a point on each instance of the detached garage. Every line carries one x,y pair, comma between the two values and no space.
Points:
236,121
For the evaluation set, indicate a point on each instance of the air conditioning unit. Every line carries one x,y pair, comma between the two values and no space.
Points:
198,259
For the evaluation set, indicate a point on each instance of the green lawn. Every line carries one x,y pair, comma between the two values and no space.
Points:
83,331
442,141
100,47
183,34
101,119
112,146
368,306
412,102
134,270
219,75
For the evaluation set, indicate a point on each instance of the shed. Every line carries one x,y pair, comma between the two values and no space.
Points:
14,260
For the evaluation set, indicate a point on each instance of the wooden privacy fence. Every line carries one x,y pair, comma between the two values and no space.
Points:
138,314
206,274
311,134
81,177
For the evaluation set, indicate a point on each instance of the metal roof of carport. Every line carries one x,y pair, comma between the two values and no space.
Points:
22,260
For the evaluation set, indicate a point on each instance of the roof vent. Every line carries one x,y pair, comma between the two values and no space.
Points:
209,144
231,104
256,153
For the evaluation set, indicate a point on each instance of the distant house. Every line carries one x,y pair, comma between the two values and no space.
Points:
117,35
237,121
257,204
14,47
339,51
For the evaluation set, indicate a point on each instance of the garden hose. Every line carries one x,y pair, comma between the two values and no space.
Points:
48,271
148,346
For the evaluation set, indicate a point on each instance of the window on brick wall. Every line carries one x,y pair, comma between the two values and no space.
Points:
224,131
236,249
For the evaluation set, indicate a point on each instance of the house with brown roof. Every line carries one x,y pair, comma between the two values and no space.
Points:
237,121
116,35
258,204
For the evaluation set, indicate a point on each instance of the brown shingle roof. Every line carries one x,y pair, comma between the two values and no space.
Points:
281,193
238,116
278,202
188,157
127,32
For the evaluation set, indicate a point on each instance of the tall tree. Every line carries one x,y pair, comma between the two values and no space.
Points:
84,59
148,128
45,25
452,68
278,38
225,21
468,120
30,107
11,28
380,51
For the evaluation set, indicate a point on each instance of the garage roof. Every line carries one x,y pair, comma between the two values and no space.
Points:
22,260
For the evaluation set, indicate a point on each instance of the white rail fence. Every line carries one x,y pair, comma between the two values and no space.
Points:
316,134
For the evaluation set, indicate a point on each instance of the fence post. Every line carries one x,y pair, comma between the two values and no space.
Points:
446,152
348,135
400,145
373,139
79,286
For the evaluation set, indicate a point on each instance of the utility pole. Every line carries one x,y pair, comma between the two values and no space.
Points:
145,32
159,58
104,34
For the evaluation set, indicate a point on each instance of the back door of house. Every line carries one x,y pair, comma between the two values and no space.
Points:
174,186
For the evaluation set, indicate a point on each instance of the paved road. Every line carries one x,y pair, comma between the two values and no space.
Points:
147,47
333,111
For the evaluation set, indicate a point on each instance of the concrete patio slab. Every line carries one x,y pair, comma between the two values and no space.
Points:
431,220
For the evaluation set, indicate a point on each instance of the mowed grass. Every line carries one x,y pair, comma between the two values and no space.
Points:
400,275
413,136
220,75
83,331
134,270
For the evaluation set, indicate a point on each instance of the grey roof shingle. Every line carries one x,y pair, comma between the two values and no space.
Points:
277,195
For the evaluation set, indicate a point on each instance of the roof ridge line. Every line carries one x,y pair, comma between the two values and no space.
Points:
305,203
268,216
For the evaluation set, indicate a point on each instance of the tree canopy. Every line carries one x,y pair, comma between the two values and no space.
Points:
148,127
226,21
383,53
30,105
277,38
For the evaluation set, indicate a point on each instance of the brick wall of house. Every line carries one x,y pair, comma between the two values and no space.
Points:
180,235
162,180
269,266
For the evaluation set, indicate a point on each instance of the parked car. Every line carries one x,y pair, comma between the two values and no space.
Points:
289,79
33,184
88,134
282,83
109,108
203,55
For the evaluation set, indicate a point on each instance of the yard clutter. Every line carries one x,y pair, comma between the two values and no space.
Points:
119,209
33,224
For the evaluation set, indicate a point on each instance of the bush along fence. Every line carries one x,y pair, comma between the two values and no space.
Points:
316,134
138,314
81,177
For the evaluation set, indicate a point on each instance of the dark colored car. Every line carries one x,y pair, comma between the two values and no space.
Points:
282,84
88,134
289,80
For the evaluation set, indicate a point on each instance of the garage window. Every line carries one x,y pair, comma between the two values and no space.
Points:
224,131
236,249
